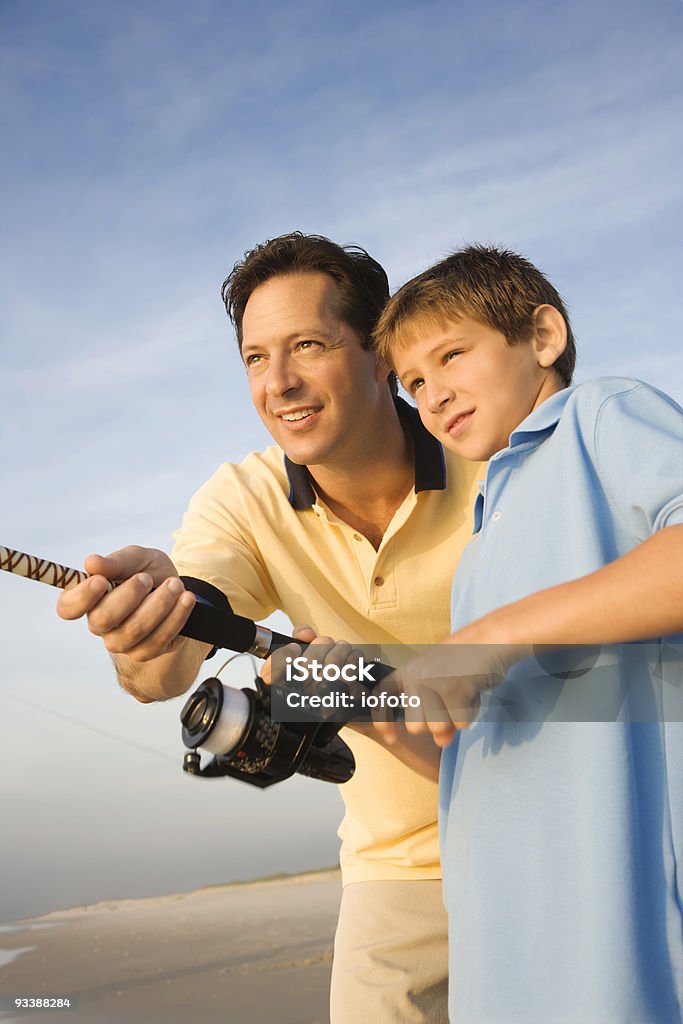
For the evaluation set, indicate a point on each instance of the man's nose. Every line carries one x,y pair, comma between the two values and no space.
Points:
282,377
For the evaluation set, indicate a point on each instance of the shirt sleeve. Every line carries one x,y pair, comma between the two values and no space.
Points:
638,438
216,543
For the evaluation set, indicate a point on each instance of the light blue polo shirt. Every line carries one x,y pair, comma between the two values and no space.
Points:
562,842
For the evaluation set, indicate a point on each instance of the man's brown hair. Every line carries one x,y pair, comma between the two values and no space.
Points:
362,283
494,286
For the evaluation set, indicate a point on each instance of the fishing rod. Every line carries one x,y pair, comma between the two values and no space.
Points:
234,725
212,620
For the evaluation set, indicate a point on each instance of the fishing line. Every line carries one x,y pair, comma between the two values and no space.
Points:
88,727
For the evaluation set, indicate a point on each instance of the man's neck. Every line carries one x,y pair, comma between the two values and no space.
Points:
367,492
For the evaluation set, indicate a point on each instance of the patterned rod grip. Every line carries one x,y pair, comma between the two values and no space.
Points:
40,569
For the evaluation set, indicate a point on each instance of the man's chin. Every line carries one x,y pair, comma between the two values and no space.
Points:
302,453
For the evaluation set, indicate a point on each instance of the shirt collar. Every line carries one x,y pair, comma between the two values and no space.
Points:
542,420
430,467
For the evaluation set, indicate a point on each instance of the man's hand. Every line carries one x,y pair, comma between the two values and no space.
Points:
322,649
417,752
445,683
145,612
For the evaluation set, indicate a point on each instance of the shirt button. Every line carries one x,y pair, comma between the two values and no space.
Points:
496,515
379,581
357,536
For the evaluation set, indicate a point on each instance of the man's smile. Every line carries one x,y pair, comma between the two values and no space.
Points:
298,418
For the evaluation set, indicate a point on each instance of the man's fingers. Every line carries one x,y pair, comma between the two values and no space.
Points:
267,674
129,561
80,600
101,565
158,641
319,648
305,634
119,605
146,612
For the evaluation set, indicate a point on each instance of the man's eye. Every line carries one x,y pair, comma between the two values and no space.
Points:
308,345
252,359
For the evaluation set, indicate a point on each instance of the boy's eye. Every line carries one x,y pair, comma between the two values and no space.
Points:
415,385
451,355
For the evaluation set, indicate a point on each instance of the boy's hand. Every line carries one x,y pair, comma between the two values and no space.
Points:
447,681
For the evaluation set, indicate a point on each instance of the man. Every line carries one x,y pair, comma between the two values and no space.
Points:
353,531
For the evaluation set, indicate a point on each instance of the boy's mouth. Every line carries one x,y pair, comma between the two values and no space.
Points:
456,424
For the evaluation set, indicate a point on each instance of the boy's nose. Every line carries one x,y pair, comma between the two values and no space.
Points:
438,395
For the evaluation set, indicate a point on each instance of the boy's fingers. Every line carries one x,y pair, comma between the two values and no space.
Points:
382,714
415,712
442,737
439,720
387,730
430,711
463,706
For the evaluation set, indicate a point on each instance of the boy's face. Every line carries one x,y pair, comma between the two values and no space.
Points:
473,389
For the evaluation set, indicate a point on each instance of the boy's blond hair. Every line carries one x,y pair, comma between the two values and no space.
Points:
494,286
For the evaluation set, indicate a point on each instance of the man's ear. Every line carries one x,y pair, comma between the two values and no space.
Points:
549,336
382,371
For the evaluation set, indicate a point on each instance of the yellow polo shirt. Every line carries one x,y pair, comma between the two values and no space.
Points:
258,532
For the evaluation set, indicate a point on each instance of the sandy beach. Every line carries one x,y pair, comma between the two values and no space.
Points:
253,953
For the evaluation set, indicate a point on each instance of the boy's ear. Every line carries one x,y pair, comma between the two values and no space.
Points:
550,335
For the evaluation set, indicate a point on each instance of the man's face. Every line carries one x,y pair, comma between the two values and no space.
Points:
312,384
472,389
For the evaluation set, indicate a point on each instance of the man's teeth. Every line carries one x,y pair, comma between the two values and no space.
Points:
300,415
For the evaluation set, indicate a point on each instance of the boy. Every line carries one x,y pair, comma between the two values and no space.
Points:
562,842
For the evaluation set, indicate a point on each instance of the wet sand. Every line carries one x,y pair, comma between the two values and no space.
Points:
256,953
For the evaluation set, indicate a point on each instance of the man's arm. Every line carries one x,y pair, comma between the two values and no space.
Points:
139,621
637,597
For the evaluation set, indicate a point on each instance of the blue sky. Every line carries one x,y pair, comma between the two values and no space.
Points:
146,147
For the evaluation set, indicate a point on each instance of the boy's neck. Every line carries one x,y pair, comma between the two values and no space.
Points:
552,385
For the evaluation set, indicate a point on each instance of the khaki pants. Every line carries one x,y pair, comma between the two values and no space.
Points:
390,955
